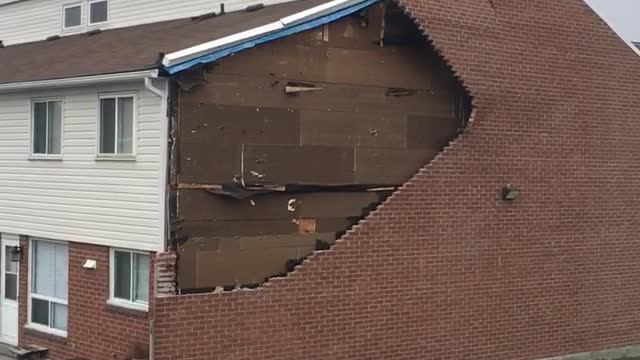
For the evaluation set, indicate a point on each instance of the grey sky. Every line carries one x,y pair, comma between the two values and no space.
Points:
622,15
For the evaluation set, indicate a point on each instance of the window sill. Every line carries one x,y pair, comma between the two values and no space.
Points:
115,157
128,307
45,157
43,331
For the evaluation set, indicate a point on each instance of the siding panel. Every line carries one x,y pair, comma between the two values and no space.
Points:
36,20
113,203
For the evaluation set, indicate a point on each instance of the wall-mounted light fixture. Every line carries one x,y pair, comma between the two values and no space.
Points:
90,264
510,193
16,254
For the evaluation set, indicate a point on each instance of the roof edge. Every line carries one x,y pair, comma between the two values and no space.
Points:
79,80
304,20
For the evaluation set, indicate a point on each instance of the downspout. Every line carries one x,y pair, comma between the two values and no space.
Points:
164,137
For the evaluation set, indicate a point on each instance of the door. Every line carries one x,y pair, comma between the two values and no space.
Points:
8,292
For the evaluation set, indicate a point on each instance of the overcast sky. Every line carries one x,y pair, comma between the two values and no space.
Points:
622,15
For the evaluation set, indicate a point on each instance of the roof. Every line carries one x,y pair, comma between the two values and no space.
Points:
129,49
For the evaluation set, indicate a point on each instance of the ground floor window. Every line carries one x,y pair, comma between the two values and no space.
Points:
49,284
130,278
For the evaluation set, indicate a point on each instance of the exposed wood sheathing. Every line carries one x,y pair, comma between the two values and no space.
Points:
326,118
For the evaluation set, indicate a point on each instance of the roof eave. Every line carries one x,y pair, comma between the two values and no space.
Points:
304,20
78,81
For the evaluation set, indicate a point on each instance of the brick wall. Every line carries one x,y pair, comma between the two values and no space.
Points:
96,331
445,269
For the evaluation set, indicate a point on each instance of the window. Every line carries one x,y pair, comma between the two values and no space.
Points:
98,12
72,16
10,275
47,128
49,278
129,278
116,124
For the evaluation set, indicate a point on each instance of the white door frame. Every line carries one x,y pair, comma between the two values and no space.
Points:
8,307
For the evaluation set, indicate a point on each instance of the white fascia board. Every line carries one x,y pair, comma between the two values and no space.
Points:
203,49
227,41
7,2
317,11
78,81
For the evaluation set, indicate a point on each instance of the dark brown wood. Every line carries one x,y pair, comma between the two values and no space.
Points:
390,166
200,205
337,128
429,132
308,165
211,164
203,228
232,125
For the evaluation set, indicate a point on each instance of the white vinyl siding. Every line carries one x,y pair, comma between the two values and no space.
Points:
35,20
82,197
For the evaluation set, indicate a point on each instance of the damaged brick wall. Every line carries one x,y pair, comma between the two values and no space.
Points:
289,144
445,269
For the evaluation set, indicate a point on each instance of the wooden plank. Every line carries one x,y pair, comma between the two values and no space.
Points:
302,165
430,132
390,166
358,31
209,163
198,205
269,92
231,125
225,261
205,228
388,67
334,128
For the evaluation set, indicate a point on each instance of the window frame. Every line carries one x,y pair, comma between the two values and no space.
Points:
128,304
64,16
134,134
45,156
30,293
89,3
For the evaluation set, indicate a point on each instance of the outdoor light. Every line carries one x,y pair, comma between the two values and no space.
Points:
16,254
510,193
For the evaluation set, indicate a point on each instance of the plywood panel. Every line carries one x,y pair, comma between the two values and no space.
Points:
333,128
203,228
269,92
232,125
200,205
310,165
390,166
429,132
209,164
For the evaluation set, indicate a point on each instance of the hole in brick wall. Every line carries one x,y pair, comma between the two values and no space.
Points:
289,175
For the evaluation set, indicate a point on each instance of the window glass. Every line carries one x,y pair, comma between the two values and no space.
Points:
49,277
98,12
40,128
72,16
116,125
125,125
122,280
10,275
141,278
130,276
40,312
47,127
107,126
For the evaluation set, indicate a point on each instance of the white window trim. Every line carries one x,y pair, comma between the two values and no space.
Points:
89,23
32,155
121,302
64,13
30,294
134,140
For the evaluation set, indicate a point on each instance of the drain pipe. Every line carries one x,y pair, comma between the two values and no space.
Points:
163,93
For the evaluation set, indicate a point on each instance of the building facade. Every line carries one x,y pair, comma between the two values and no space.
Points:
348,179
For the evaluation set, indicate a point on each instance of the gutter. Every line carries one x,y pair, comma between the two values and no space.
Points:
301,21
79,81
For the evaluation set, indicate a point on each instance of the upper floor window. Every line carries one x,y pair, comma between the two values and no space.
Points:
72,16
98,11
116,124
46,124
